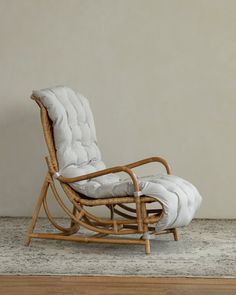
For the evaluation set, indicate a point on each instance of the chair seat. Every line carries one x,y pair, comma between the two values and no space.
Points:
180,199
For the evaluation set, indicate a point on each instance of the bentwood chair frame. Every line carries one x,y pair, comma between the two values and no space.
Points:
124,219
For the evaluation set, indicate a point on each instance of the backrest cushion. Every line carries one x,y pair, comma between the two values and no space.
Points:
74,130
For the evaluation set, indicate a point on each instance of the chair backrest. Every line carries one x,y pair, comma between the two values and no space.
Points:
73,149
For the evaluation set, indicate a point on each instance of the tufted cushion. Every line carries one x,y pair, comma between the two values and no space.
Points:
74,131
78,154
180,199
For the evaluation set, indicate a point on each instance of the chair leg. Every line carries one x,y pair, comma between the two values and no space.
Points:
147,247
72,223
42,195
175,234
111,211
145,230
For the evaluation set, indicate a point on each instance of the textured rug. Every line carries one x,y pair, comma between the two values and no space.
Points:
207,248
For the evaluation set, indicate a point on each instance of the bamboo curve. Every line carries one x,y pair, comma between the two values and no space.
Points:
68,230
84,224
127,208
69,193
150,160
120,213
101,221
47,131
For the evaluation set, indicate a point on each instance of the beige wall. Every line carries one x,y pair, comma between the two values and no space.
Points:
160,76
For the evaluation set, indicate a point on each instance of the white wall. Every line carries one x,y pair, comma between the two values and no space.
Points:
160,76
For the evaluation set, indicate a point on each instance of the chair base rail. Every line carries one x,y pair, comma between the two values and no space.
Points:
86,239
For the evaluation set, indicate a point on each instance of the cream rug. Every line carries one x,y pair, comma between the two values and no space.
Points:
207,248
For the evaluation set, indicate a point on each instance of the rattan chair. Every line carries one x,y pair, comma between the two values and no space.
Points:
128,214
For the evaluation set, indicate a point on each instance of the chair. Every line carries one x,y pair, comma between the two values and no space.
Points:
143,207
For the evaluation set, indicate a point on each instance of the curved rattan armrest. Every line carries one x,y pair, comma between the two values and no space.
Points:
115,169
150,160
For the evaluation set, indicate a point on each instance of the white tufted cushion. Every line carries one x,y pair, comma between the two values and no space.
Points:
74,131
78,154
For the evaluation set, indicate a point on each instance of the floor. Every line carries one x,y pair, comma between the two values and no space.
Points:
207,248
45,285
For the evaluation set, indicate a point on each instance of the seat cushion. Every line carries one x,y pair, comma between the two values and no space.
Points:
180,199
